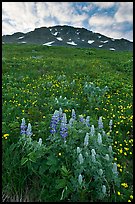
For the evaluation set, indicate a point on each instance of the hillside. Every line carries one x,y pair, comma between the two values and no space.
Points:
75,101
70,37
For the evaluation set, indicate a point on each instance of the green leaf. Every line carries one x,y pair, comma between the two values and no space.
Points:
61,183
24,160
51,160
32,156
64,171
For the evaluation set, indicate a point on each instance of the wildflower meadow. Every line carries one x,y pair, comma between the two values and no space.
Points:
67,124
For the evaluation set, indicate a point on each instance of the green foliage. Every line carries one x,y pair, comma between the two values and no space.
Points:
36,81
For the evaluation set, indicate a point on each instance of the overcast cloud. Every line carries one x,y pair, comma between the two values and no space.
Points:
113,19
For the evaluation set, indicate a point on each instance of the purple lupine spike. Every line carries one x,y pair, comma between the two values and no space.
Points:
60,113
23,127
110,124
92,130
54,122
100,123
87,121
82,119
73,114
71,122
63,126
29,130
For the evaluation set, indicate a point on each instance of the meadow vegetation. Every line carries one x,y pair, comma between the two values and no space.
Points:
79,143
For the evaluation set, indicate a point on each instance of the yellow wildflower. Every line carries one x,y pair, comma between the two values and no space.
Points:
121,151
118,193
131,196
5,136
125,185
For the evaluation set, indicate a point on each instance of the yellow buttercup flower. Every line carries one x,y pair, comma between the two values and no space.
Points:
5,136
120,150
125,185
131,196
118,193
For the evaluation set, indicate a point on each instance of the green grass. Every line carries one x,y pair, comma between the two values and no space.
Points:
33,76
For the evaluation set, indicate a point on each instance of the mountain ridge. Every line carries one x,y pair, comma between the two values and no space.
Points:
69,36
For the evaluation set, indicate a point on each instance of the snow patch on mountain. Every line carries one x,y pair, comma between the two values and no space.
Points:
55,33
112,48
21,37
71,43
49,43
100,46
91,41
104,41
59,38
22,42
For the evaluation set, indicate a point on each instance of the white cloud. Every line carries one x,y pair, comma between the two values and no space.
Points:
26,16
104,4
114,26
124,12
101,20
20,13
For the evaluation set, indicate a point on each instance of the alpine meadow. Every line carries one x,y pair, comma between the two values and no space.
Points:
67,124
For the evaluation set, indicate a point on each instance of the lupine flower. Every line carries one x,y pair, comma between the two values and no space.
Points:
40,141
56,100
104,189
81,158
100,123
78,150
64,118
80,179
23,126
93,151
29,130
110,149
82,119
99,139
114,169
103,132
71,122
93,158
73,114
93,155
63,126
110,124
100,172
86,153
60,113
86,140
87,121
107,157
92,130
54,122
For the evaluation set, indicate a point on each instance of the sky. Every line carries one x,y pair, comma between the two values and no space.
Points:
113,19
